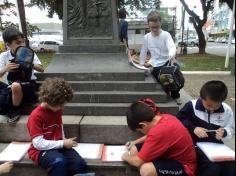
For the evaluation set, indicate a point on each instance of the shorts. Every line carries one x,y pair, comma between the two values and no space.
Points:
167,167
29,91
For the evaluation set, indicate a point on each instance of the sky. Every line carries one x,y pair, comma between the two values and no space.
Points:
36,15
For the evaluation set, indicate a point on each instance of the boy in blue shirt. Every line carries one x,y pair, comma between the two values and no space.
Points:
205,115
21,90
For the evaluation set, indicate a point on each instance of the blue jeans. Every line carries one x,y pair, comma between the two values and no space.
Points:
62,162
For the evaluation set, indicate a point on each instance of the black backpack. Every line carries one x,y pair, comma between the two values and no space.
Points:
24,57
171,78
5,98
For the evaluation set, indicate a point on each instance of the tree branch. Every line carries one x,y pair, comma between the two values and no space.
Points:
192,13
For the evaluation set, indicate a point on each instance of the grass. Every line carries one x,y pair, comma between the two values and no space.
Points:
205,62
45,58
192,62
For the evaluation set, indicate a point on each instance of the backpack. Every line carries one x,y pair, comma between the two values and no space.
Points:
171,78
5,98
24,57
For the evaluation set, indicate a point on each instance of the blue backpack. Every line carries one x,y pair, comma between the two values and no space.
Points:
24,57
5,98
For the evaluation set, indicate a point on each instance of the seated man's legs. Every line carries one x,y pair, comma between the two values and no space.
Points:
76,164
53,162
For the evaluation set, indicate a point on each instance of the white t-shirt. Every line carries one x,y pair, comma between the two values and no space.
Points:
6,56
161,47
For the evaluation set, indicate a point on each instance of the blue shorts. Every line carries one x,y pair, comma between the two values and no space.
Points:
167,167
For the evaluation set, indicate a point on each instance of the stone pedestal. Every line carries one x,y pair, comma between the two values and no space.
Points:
90,26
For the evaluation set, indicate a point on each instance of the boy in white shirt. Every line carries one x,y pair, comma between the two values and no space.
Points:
21,90
161,46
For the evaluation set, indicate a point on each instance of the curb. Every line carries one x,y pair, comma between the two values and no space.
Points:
206,72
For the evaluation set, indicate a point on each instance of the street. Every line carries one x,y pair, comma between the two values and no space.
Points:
219,49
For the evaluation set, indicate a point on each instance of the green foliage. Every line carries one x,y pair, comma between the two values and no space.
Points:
7,9
56,6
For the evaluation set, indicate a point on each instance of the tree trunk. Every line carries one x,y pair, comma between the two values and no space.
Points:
21,9
202,42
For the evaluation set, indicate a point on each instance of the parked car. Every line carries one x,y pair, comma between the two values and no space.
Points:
192,41
211,39
46,46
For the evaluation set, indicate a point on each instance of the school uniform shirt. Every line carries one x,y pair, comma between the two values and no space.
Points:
6,56
123,30
161,47
194,114
46,131
170,140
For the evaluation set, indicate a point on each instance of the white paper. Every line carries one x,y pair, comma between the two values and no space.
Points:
113,153
138,66
15,151
89,151
217,152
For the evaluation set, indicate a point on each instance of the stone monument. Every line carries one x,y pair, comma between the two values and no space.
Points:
90,26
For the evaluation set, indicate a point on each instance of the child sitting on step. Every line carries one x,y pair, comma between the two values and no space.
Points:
49,149
167,149
21,91
208,119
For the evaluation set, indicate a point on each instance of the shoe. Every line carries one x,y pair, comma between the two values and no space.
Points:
178,101
85,174
14,115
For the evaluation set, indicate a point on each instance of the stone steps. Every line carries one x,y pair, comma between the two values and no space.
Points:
117,96
87,129
105,109
133,76
147,85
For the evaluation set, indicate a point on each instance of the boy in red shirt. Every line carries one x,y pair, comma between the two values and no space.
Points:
167,149
49,149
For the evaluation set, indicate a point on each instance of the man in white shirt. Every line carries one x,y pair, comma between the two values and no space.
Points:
161,46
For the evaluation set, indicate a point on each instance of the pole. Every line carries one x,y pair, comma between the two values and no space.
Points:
22,21
230,38
183,27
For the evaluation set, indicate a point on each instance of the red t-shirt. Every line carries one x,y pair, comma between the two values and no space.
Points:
46,123
169,139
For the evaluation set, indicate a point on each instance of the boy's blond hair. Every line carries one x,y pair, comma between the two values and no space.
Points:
55,91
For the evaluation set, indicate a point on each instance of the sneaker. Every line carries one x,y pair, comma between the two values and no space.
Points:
178,101
85,174
14,114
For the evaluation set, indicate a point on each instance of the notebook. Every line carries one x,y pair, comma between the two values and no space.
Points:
217,152
139,66
113,153
89,151
15,151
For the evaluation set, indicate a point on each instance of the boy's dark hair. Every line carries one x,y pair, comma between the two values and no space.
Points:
122,13
154,17
10,34
55,91
139,112
214,90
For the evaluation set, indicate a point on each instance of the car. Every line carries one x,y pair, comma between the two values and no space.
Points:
192,42
46,45
211,39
